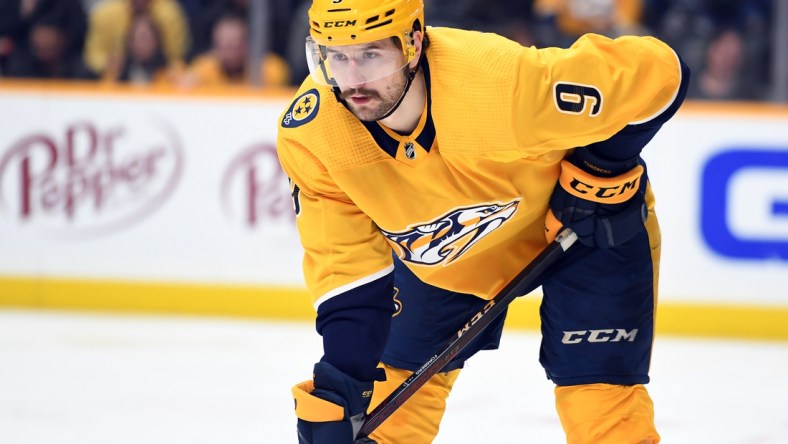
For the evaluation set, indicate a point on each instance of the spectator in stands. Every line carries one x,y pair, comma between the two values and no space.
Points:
48,54
18,16
227,62
721,76
207,17
690,28
570,19
144,62
110,23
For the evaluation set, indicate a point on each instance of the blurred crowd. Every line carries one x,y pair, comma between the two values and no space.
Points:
193,43
183,43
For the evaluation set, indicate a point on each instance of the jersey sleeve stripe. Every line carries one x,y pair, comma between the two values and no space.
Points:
680,89
355,284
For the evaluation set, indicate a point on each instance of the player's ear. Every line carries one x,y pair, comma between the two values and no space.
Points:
418,40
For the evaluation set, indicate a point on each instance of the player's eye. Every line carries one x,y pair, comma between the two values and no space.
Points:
370,55
338,57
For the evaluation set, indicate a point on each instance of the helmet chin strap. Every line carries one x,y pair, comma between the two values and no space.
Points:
411,76
409,81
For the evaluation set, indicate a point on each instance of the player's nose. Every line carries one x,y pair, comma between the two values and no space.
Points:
355,76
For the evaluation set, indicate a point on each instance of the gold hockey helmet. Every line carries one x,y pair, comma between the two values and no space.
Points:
337,23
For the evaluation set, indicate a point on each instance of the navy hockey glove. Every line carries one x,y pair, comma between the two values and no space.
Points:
332,407
602,201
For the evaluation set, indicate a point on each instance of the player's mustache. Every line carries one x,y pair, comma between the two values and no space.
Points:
360,91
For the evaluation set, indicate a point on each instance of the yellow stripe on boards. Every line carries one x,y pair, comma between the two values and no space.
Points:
176,298
673,318
719,320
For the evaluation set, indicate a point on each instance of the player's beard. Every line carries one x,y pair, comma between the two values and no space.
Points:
381,101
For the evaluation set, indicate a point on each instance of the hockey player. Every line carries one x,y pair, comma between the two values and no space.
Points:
455,150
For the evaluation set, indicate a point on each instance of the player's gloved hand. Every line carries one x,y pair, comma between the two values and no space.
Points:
332,407
602,201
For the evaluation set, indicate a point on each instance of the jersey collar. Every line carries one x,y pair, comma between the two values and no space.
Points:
424,134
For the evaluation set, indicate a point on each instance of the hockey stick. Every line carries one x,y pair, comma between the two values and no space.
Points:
495,307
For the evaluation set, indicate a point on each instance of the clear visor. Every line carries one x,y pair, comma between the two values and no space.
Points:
353,65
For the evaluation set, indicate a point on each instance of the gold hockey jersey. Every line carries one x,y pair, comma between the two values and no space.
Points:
462,200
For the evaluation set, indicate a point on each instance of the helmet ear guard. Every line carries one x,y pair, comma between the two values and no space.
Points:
409,43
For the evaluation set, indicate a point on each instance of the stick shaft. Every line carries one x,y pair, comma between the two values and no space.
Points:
494,308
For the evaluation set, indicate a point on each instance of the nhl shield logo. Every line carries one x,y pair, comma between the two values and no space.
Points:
410,151
303,109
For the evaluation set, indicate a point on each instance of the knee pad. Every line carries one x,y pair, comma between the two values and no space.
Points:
417,420
606,414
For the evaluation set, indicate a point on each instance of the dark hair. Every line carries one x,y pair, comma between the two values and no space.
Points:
230,16
159,61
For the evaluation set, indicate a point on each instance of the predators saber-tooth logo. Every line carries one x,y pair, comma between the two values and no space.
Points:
446,238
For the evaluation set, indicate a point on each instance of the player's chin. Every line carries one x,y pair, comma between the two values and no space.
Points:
366,113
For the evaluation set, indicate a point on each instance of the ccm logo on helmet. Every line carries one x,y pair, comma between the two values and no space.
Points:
605,335
339,24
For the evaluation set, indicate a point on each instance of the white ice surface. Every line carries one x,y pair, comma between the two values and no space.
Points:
83,378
